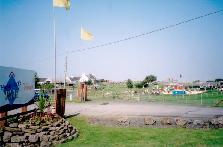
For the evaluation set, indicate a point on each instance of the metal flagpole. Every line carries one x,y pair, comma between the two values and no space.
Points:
65,72
55,52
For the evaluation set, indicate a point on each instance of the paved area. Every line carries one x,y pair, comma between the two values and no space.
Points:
140,109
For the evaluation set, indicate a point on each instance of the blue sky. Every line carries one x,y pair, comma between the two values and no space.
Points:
194,49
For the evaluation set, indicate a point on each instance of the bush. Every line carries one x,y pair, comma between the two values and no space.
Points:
129,83
139,85
41,102
149,79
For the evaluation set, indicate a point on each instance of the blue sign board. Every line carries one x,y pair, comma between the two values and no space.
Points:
16,86
178,92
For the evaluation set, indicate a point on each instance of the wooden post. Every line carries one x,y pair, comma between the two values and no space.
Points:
60,101
85,92
3,122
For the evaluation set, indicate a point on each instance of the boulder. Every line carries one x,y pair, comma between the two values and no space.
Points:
220,120
45,144
12,145
33,138
214,121
30,131
167,121
44,138
18,133
149,121
12,129
13,125
7,136
198,124
22,126
123,121
18,139
34,127
181,122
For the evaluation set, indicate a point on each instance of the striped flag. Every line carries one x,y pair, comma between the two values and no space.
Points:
85,35
62,3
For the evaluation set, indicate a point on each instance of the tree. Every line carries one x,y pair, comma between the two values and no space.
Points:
36,80
149,79
129,83
218,80
89,82
139,85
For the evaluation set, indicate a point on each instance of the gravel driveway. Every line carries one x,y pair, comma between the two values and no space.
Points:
140,109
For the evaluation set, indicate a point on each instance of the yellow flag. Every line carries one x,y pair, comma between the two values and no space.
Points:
85,35
62,3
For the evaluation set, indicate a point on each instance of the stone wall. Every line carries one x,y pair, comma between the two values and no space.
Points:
23,134
159,122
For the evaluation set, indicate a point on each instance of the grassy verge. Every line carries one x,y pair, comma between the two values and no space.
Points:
99,136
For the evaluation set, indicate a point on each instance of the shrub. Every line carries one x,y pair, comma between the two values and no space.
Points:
129,83
41,102
149,79
139,85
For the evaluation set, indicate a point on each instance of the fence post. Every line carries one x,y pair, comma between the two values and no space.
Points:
3,122
201,99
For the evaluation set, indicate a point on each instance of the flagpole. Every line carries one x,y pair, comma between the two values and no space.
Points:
55,53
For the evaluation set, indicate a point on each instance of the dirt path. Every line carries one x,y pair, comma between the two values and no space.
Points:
140,109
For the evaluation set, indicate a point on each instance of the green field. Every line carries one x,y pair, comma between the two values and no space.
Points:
113,92
99,136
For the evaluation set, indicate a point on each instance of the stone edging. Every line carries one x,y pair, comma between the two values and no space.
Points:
159,122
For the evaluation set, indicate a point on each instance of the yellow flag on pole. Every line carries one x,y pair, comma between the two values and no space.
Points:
85,35
62,3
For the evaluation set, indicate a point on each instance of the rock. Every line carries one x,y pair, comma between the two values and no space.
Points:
18,139
149,121
73,131
52,138
56,124
214,121
31,131
45,144
1,132
13,125
52,128
167,121
181,122
70,138
220,120
76,134
123,121
12,145
22,126
198,124
7,136
52,133
44,138
33,138
62,136
60,132
45,128
12,129
34,127
39,130
18,133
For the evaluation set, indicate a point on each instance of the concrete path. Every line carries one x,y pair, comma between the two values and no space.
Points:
140,109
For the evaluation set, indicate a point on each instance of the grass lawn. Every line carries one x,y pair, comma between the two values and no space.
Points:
97,136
